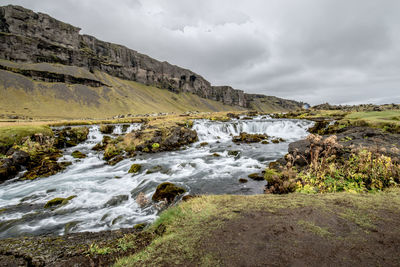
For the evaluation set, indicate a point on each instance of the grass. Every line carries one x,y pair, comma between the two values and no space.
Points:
14,134
318,230
391,116
186,225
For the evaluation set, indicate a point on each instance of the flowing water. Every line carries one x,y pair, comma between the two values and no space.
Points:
105,195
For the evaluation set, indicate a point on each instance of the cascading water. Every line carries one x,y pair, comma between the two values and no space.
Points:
287,129
105,195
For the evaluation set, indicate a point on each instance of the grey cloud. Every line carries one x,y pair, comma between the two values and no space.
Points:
342,51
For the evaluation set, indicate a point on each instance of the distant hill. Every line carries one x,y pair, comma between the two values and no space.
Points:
49,69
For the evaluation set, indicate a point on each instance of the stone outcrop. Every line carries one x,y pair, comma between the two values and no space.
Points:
26,36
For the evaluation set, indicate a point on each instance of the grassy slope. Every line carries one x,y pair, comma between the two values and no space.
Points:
329,218
24,97
391,116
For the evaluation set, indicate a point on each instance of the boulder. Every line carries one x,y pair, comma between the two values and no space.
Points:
135,168
167,191
249,138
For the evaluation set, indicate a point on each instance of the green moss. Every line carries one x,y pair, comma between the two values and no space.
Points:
135,168
111,151
155,146
58,201
78,155
270,174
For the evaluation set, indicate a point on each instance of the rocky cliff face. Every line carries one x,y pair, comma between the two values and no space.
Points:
26,36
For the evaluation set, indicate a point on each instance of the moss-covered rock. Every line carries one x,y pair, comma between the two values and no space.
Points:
107,128
167,191
249,138
233,153
58,201
78,155
70,136
135,168
256,176
111,151
139,226
43,165
277,140
115,160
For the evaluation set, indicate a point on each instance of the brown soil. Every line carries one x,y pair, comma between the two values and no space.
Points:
68,250
305,237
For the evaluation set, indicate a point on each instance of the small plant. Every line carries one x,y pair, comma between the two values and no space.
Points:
155,146
95,249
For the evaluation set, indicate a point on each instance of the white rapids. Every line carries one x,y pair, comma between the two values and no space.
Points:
105,195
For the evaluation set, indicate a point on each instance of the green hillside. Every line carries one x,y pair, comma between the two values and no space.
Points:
27,91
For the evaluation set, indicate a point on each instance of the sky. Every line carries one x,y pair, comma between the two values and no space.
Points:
316,51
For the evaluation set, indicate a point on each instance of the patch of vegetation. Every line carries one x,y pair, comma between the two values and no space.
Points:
363,171
58,201
14,134
135,168
78,155
312,227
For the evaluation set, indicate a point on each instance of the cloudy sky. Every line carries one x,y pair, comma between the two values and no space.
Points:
337,51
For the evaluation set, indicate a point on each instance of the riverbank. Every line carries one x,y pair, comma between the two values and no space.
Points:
301,229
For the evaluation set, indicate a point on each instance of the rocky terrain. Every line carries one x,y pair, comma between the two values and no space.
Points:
29,37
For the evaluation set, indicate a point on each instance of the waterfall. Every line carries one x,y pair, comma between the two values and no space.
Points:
287,129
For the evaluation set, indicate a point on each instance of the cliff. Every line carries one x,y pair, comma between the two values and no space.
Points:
29,37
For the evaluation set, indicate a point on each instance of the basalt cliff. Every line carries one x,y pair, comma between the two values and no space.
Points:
36,46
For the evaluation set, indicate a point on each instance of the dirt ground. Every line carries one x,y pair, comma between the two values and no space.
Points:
304,237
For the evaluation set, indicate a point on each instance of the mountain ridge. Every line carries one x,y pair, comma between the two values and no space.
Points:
29,37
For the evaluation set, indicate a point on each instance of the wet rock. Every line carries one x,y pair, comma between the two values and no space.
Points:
167,191
111,151
265,142
7,169
78,155
70,136
249,138
135,168
107,128
116,200
20,157
233,153
243,180
216,155
44,166
277,140
59,201
157,168
115,160
256,176
139,226
203,144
